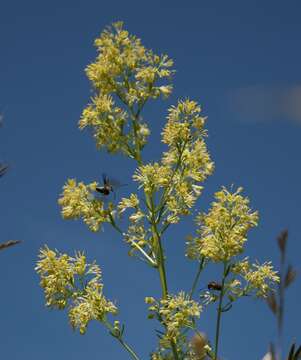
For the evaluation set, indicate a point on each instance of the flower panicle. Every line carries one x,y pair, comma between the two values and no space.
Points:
222,232
176,312
72,283
127,203
259,278
78,201
126,72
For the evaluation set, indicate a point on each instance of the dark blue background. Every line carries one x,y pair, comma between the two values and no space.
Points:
219,49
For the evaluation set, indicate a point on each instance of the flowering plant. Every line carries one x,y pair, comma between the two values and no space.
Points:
125,76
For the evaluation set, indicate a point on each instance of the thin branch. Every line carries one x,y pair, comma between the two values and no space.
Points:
9,244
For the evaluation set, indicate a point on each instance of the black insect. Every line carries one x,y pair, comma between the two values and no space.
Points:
107,187
214,286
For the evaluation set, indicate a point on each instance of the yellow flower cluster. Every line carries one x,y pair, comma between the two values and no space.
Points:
152,177
125,68
180,198
125,64
57,276
73,283
107,122
158,356
180,120
77,201
137,236
92,305
127,203
223,231
187,157
176,313
184,134
259,278
184,165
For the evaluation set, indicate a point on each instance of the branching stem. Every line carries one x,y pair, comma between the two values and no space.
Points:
119,337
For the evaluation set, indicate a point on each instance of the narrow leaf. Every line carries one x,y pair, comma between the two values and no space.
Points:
272,302
291,353
227,308
298,353
290,276
282,240
9,244
3,169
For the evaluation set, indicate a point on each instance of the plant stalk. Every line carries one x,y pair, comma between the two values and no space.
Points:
196,279
160,260
219,313
281,308
120,339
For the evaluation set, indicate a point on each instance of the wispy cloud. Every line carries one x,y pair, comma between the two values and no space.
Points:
266,103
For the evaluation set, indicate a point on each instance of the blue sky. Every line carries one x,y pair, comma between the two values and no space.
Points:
241,61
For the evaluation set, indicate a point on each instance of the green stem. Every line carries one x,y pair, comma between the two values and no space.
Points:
174,350
151,261
164,228
148,258
157,244
219,312
160,261
128,349
281,307
196,279
162,202
162,273
120,339
113,223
